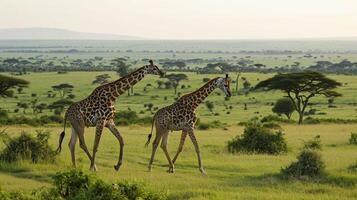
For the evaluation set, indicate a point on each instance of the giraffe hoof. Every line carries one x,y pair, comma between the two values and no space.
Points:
203,172
171,170
116,167
93,168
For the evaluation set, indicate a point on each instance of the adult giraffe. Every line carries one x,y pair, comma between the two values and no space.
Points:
181,116
97,110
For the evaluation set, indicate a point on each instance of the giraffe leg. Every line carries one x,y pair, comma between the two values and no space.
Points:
182,142
72,145
165,137
98,134
79,129
116,133
194,141
155,144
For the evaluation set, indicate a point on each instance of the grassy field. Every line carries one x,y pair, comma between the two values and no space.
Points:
258,103
239,176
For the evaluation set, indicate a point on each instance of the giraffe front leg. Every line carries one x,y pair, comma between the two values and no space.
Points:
182,142
98,134
116,133
194,141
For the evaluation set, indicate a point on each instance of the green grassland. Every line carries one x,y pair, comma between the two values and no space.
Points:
259,103
239,176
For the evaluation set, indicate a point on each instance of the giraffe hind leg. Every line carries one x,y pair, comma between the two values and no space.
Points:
79,129
165,137
155,144
72,146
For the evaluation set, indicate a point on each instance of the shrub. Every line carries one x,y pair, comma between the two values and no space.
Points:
27,147
308,165
353,138
258,139
128,117
314,144
275,118
206,126
76,185
284,106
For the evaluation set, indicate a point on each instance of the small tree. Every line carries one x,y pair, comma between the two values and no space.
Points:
300,87
63,88
175,79
284,106
7,83
101,79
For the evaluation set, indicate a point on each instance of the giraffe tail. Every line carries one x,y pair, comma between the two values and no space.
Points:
60,140
150,134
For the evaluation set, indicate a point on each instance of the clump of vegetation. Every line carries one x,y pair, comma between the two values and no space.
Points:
314,144
309,164
353,168
258,139
128,117
27,147
353,138
76,185
284,106
213,124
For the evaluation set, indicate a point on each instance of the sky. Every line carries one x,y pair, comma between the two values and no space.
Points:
188,19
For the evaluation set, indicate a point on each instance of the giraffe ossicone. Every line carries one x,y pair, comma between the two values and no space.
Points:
97,110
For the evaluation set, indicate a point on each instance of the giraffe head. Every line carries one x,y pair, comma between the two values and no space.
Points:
224,85
153,69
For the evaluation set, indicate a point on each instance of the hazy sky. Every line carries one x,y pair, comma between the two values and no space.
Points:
188,19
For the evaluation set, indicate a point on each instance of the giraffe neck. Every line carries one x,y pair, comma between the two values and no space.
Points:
198,96
123,84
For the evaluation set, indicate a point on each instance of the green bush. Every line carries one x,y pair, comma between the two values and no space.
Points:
308,165
314,144
258,139
27,147
353,138
213,124
75,185
128,117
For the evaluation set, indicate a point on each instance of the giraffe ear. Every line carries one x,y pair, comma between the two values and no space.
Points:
151,62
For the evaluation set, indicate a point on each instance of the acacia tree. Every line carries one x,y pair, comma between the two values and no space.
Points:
101,79
300,87
175,79
63,88
7,83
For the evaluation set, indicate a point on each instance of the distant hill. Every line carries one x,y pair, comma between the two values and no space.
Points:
57,34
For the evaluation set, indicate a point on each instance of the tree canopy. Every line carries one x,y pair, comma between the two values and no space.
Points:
7,83
175,79
300,87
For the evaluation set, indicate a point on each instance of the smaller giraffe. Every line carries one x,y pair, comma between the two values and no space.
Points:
181,116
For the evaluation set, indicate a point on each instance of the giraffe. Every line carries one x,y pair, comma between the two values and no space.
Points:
180,116
97,110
